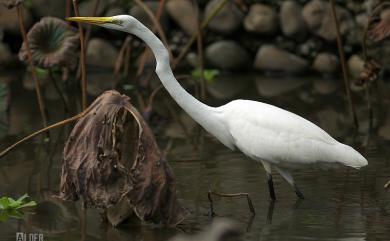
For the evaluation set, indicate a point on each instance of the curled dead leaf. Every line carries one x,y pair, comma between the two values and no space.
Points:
370,73
111,161
381,28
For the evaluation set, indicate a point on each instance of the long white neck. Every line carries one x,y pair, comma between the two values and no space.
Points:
208,117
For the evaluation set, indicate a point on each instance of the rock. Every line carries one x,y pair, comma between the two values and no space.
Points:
325,86
229,18
272,58
318,17
272,87
49,8
9,19
5,54
291,19
310,48
261,19
226,54
115,11
226,87
184,14
326,63
101,53
355,65
192,59
86,8
139,13
355,35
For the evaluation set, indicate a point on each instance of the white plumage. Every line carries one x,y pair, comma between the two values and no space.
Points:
273,136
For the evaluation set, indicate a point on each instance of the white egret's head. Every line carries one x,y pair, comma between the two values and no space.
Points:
124,23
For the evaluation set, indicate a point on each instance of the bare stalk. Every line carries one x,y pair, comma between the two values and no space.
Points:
41,103
195,36
343,64
156,23
58,124
121,56
59,92
68,8
82,60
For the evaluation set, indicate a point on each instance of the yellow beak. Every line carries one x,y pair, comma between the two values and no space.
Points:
93,20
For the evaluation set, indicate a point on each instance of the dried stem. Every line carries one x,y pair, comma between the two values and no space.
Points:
68,8
58,124
202,81
343,64
195,36
250,204
89,27
121,56
60,93
41,103
82,60
156,23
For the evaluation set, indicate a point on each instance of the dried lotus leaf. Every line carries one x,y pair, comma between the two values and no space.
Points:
111,158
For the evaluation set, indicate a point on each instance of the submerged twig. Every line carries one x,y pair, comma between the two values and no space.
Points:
343,64
41,103
210,193
82,60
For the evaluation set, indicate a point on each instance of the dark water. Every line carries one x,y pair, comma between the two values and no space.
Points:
341,204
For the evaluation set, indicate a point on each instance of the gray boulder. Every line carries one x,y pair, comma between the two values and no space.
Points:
101,53
355,65
261,19
228,19
140,14
291,19
184,14
326,63
318,17
270,57
226,54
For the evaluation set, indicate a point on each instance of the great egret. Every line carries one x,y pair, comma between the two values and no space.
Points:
273,136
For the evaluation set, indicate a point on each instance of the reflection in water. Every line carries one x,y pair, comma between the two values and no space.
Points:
342,204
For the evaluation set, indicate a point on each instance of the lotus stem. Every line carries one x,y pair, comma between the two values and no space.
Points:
41,103
82,60
120,60
343,64
59,92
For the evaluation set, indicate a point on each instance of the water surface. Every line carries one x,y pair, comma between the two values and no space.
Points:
342,204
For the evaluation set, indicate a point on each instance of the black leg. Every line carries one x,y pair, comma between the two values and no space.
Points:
298,192
271,187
